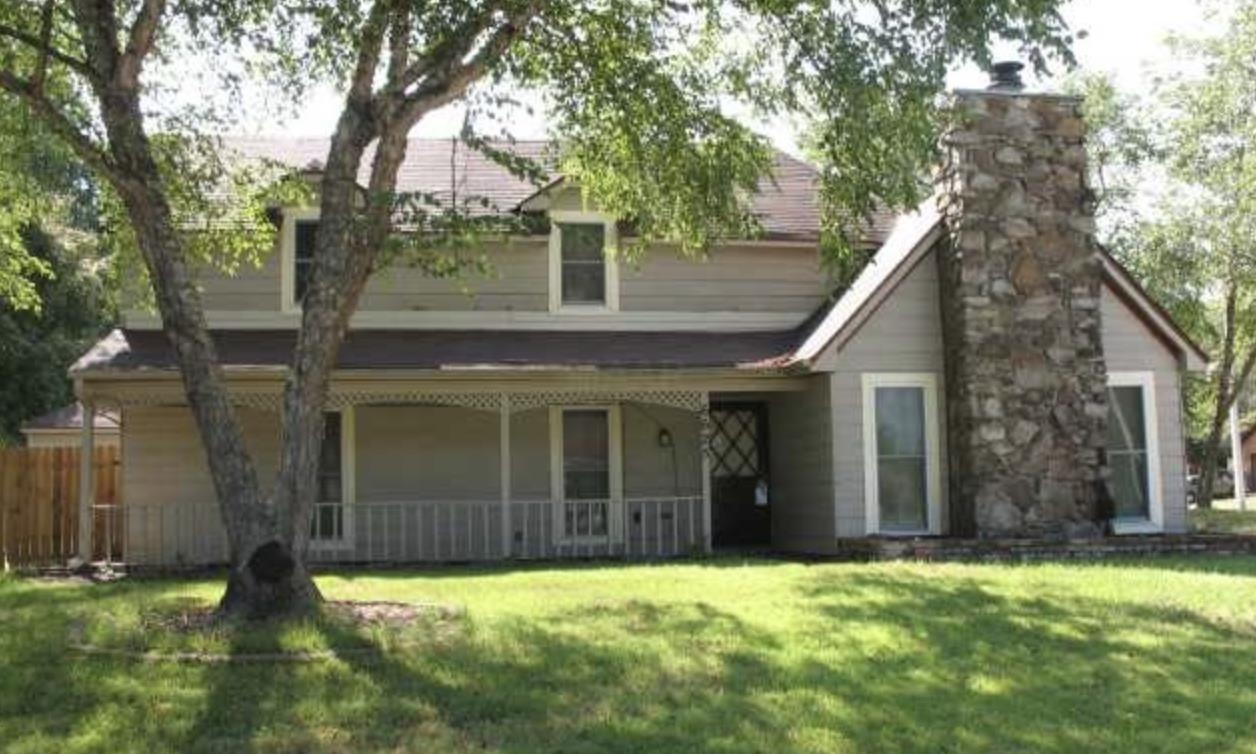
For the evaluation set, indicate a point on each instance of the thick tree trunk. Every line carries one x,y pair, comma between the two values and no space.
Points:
265,579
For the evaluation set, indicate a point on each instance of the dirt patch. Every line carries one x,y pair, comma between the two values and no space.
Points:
392,615
361,628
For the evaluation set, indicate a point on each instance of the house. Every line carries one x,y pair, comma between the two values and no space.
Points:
63,428
992,373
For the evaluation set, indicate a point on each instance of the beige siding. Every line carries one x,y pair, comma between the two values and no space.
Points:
651,470
903,335
732,278
800,432
427,453
1130,347
517,279
172,513
760,278
250,288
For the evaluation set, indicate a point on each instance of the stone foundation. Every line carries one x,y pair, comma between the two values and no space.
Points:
1026,381
1036,550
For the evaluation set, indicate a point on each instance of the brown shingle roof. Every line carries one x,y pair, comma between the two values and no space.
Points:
127,350
787,206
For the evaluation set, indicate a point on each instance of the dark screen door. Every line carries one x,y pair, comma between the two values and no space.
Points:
741,515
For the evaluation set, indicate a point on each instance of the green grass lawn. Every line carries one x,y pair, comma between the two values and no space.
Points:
720,656
1224,520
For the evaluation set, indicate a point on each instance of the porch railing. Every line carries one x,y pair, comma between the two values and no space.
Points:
424,531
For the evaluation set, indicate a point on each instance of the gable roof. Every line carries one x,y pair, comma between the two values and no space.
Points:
787,203
912,236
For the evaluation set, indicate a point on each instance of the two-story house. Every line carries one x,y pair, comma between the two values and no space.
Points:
990,373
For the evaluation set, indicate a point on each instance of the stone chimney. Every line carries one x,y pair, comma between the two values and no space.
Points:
1026,382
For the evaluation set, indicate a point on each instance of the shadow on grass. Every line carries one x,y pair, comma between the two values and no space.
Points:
876,662
879,659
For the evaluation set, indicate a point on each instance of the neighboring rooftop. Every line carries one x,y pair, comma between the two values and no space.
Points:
69,418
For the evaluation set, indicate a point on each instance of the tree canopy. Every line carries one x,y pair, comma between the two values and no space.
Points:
1190,239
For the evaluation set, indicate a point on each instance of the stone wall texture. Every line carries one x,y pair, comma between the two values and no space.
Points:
1021,281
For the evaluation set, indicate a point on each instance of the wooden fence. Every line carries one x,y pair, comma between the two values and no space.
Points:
39,504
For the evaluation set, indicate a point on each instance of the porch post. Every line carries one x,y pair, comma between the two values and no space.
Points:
704,452
87,481
504,458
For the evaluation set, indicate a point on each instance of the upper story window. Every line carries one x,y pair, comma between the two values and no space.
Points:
297,238
583,273
583,248
304,238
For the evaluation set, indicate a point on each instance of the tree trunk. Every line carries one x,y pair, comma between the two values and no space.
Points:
1225,375
265,579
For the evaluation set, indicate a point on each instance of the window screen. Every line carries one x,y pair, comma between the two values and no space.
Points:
1127,452
583,263
586,472
902,465
303,258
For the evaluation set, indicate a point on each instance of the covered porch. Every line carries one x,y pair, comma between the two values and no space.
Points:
416,472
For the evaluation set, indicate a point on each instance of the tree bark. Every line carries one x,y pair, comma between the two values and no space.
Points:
265,579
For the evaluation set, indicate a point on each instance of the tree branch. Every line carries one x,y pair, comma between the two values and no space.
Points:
361,84
36,44
450,49
458,78
87,150
399,45
45,42
139,42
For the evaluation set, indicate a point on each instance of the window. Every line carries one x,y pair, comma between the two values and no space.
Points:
583,278
901,464
586,472
1133,460
305,237
297,239
329,522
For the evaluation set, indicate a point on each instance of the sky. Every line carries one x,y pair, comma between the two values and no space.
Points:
1121,37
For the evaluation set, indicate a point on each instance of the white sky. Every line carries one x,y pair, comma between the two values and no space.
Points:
1122,37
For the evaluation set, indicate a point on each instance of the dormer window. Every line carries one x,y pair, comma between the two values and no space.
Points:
583,274
583,247
306,236
297,239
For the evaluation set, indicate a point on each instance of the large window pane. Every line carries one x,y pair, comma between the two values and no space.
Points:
583,263
902,466
586,472
1127,452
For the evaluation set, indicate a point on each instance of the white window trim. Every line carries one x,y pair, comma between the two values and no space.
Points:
288,255
614,426
928,382
558,217
1155,503
348,481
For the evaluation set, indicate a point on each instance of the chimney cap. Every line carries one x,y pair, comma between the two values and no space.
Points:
1005,76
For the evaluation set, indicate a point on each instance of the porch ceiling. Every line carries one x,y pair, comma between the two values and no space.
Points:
140,350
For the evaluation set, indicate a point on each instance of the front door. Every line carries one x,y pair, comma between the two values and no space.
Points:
741,515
